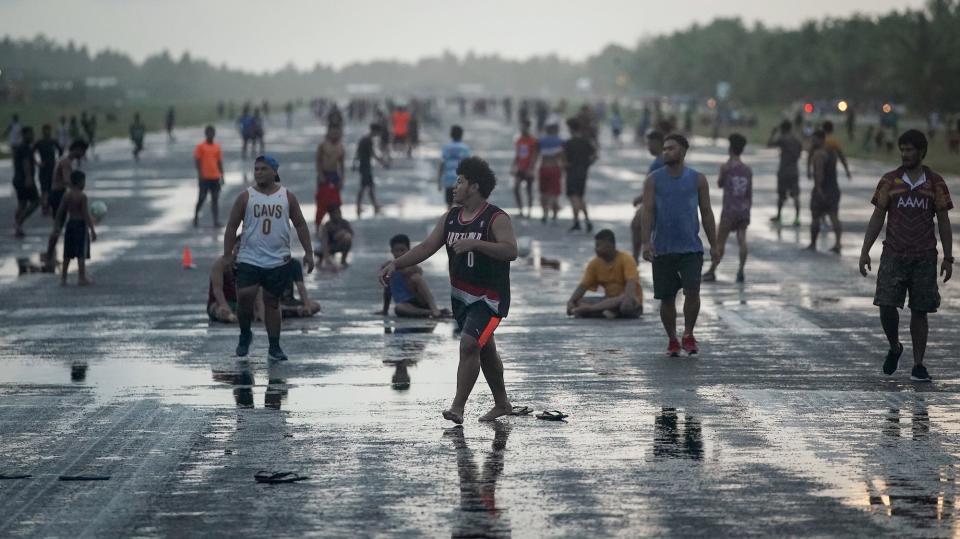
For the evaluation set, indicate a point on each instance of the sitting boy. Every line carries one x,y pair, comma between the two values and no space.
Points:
408,289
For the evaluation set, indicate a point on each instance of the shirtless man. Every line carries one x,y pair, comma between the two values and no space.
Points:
330,157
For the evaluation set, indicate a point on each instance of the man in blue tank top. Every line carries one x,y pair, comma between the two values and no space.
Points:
480,245
671,197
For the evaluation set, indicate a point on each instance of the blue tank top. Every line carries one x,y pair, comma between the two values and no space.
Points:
399,289
676,226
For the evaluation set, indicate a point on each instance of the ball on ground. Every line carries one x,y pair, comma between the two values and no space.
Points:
98,210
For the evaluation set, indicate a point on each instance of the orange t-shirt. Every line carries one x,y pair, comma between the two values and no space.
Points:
209,157
401,122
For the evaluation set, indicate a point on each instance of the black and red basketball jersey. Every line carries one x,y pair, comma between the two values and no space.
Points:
475,276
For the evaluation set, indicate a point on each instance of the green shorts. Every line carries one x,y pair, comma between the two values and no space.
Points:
899,274
272,280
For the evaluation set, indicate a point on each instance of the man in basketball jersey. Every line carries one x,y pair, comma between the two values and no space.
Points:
266,210
480,246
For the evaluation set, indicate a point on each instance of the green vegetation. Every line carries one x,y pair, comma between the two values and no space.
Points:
112,121
904,57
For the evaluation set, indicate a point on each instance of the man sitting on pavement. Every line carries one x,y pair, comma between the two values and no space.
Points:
408,289
616,272
290,306
222,291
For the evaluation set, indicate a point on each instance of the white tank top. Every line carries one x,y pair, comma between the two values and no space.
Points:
265,240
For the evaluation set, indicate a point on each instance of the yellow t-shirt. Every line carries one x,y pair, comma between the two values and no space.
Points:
612,276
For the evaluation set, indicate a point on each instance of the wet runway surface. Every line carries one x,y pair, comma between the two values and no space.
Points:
783,425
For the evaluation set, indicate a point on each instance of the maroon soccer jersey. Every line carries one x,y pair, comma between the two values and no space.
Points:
911,207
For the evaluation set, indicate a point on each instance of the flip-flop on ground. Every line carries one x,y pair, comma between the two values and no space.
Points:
521,410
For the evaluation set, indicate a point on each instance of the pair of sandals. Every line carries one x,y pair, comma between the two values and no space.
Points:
551,415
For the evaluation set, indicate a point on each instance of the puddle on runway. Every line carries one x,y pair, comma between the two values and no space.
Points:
410,365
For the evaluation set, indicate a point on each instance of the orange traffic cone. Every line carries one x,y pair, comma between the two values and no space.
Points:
187,259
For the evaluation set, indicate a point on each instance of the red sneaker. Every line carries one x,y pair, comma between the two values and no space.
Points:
690,344
673,349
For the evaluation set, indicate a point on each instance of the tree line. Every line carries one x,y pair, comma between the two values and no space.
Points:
904,57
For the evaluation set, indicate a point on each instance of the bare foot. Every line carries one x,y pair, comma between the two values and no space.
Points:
609,314
454,415
496,412
84,281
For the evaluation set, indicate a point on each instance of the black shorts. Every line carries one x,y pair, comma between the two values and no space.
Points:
26,192
273,280
448,195
46,179
366,178
209,186
76,243
576,183
54,199
826,204
673,272
899,274
476,320
788,184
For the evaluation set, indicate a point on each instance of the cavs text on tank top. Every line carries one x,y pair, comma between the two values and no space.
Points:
265,241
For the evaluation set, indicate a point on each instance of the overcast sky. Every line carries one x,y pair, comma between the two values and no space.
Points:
266,34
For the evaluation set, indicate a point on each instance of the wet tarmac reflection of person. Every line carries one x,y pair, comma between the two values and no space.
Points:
242,379
78,372
277,389
670,441
402,353
911,487
478,515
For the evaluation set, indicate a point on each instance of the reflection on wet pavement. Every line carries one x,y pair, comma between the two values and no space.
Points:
677,440
478,514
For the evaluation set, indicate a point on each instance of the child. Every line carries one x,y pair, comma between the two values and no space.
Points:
76,243
736,180
408,289
326,197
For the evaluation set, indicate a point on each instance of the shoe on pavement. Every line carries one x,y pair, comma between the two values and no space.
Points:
243,346
275,353
919,374
775,220
740,277
709,277
690,345
893,360
796,221
576,226
673,349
